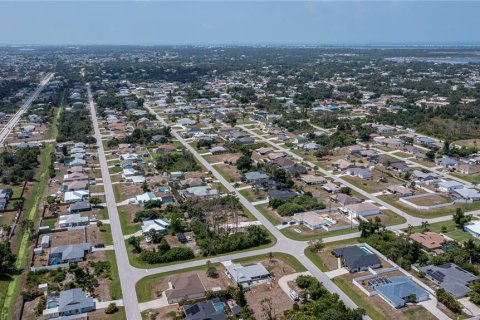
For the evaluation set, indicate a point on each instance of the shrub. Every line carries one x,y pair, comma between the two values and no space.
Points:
112,308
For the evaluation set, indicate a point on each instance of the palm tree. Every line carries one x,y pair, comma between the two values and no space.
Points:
425,225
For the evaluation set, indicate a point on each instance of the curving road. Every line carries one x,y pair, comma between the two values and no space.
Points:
130,275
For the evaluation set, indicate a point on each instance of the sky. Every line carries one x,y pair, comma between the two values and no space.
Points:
239,22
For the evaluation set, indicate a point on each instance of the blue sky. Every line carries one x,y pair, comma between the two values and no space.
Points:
240,22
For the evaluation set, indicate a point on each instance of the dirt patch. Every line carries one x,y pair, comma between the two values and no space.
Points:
221,157
230,172
94,235
125,191
430,200
165,313
64,238
279,300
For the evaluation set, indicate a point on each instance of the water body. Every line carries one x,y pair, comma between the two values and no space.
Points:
451,60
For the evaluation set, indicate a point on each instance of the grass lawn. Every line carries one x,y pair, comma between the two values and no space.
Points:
472,178
115,285
304,237
393,218
49,222
116,169
128,227
402,154
417,312
116,192
461,236
359,300
316,259
273,220
145,285
107,234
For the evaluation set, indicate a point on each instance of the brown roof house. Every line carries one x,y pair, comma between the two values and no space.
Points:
430,241
185,288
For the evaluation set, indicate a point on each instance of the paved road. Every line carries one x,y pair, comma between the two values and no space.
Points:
130,275
286,245
25,106
410,220
132,309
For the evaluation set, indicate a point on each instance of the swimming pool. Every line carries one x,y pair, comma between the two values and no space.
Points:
365,250
52,304
219,306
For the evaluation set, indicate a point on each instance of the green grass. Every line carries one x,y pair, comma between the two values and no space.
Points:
53,131
402,154
417,312
145,285
116,192
49,222
461,236
437,227
115,287
116,169
474,178
316,259
273,220
128,227
394,218
32,206
107,234
304,237
120,314
360,301
136,262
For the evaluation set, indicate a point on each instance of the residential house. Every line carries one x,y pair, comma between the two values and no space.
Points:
467,194
312,179
357,258
69,303
212,309
76,196
359,172
158,225
449,186
72,221
400,190
201,192
185,288
451,278
429,241
69,253
246,275
281,194
363,209
145,197
79,207
344,199
331,187
311,219
398,290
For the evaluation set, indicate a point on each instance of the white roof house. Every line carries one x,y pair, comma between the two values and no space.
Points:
473,228
246,275
147,196
363,209
159,225
72,220
75,196
311,219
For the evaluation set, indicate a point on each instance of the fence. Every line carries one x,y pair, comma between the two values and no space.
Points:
405,200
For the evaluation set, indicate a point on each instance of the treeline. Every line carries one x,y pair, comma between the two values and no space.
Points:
212,243
17,167
183,161
142,136
75,125
296,204
319,304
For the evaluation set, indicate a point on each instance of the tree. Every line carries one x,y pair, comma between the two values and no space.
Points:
244,163
460,218
7,259
112,308
211,270
425,225
430,155
95,201
446,147
18,205
28,226
316,245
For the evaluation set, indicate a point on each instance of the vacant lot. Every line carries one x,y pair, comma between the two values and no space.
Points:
64,238
430,200
229,172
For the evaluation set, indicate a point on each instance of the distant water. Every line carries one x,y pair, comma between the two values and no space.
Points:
452,60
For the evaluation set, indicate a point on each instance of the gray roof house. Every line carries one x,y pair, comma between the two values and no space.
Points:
71,253
450,277
209,309
357,258
79,207
254,176
70,302
203,192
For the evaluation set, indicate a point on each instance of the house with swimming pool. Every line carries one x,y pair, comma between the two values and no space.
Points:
357,258
68,303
